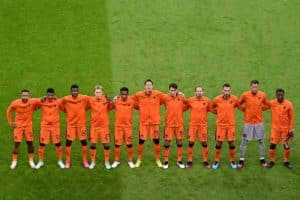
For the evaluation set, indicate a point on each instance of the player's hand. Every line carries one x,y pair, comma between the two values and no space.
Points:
290,136
115,99
181,93
13,124
43,98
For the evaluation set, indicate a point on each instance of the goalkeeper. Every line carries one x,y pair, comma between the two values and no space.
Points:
282,127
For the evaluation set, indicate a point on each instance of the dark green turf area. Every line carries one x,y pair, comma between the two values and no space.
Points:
121,43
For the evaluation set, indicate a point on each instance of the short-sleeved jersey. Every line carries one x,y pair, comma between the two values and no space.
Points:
23,112
199,108
225,110
99,111
282,114
175,107
253,105
124,111
149,107
50,111
75,109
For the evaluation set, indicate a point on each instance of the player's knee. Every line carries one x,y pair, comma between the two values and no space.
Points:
117,146
68,143
285,147
204,145
191,144
231,147
156,141
141,141
272,146
167,146
106,147
179,145
83,142
57,144
42,144
93,146
218,146
129,145
29,143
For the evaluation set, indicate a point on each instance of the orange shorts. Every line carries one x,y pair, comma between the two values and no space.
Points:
152,130
225,132
198,132
50,131
73,131
99,132
19,131
278,135
171,131
123,133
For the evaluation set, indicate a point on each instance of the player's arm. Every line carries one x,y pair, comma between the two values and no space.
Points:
242,106
9,111
291,117
214,108
266,104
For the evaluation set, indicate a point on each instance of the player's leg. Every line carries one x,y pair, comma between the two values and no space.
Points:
58,150
118,143
93,153
179,139
286,151
15,154
168,136
41,152
232,154
274,140
82,135
30,150
219,137
154,134
260,135
143,132
128,141
247,130
272,153
68,153
44,139
203,137
191,137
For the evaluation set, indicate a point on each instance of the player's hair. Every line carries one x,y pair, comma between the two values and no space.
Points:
50,90
124,89
226,85
24,90
254,82
280,90
173,85
74,86
148,80
98,87
198,87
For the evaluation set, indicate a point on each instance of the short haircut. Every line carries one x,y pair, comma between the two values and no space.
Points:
173,85
98,87
280,90
198,87
254,82
124,89
148,80
24,90
226,85
74,86
50,90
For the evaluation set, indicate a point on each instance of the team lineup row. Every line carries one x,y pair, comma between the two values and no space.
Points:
252,103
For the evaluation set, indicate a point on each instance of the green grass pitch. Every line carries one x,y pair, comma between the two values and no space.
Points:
122,43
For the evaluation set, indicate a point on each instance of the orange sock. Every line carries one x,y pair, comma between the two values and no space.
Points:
130,153
84,152
140,151
272,154
205,154
106,155
166,154
286,155
157,151
232,155
217,154
93,153
117,153
190,153
68,153
31,156
58,152
179,153
15,156
41,153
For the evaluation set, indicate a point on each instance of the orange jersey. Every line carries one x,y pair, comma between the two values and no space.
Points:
75,109
23,112
199,108
282,114
225,110
149,107
99,111
253,106
50,111
175,107
124,110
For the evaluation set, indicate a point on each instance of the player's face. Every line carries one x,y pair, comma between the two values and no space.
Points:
148,87
25,96
226,92
199,92
50,96
254,88
74,92
173,92
98,93
280,96
124,95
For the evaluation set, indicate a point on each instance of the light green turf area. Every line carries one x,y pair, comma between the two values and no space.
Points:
122,43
